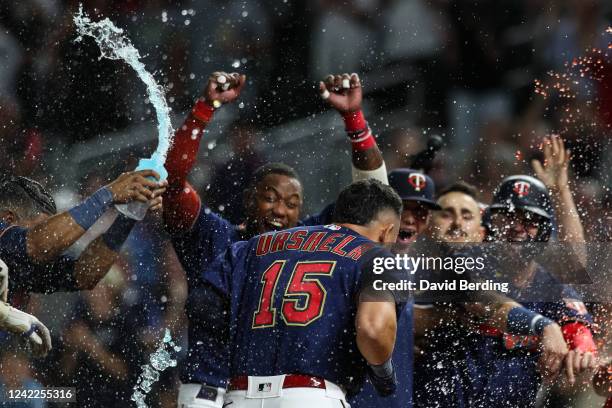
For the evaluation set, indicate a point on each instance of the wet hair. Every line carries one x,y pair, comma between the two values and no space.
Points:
25,197
461,187
271,168
361,202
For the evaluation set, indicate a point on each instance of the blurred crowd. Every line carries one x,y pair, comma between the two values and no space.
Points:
459,69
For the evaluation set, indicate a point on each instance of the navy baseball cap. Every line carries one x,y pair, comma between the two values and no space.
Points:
413,185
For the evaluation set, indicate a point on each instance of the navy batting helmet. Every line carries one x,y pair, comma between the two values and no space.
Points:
523,193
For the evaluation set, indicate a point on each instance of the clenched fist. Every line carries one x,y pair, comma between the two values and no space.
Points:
342,92
223,88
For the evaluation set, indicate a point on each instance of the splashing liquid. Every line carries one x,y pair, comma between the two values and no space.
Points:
576,80
159,360
116,46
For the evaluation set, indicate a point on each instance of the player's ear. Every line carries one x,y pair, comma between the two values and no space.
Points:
8,216
388,233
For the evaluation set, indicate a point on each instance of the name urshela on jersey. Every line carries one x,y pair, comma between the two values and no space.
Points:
301,240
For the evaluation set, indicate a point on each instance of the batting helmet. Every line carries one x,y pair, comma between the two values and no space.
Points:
524,193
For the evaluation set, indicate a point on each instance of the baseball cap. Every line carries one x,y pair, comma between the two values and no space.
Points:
413,185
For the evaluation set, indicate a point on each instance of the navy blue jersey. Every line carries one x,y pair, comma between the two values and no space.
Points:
466,368
27,276
293,301
403,357
210,236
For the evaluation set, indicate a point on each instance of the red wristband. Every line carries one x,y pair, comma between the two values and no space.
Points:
579,337
354,121
202,111
365,142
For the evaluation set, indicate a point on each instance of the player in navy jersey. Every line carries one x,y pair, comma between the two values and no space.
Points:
273,201
522,212
494,367
416,190
299,334
33,238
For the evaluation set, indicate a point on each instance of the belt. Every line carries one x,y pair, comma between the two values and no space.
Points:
241,383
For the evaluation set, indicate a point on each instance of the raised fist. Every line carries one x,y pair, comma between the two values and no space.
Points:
342,92
223,88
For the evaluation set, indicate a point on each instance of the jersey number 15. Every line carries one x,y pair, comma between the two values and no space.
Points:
302,284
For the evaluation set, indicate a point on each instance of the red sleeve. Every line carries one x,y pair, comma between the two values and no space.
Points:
181,201
579,337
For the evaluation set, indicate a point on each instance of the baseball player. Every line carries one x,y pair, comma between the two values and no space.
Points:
299,333
417,193
33,237
448,374
20,323
505,371
273,202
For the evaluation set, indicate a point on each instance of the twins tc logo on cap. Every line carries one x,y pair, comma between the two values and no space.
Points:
417,180
521,188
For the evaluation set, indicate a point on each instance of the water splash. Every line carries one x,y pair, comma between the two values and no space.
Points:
160,360
116,46
577,80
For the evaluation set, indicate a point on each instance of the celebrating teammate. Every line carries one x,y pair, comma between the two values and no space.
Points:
33,237
522,211
298,329
417,193
451,353
495,366
273,202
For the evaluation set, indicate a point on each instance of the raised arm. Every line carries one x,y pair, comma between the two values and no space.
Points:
554,173
181,201
344,94
49,238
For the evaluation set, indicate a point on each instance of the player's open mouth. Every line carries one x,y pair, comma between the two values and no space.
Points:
274,225
406,235
456,233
